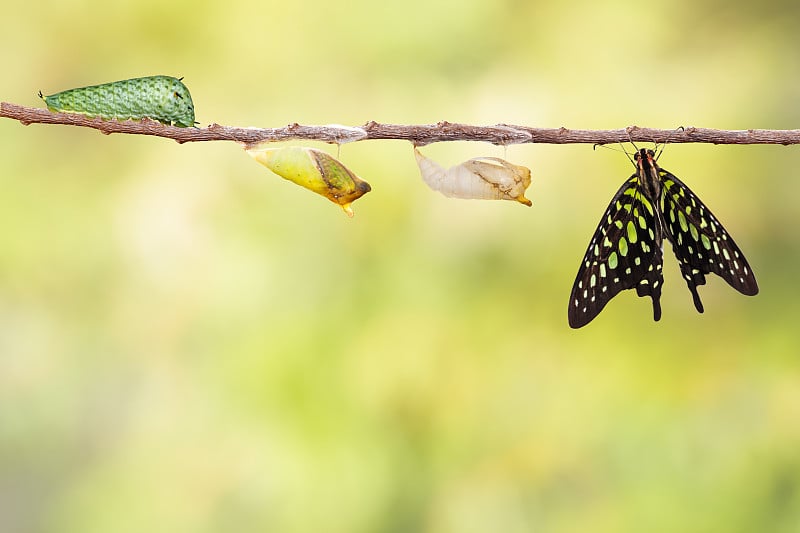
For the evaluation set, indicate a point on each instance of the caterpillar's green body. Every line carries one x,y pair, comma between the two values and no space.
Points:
162,98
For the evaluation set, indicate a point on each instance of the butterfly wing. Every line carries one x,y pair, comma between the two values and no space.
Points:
700,242
625,252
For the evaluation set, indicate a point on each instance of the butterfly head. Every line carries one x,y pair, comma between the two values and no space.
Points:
644,155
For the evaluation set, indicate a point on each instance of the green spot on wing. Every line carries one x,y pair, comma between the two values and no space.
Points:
682,221
648,205
631,232
693,231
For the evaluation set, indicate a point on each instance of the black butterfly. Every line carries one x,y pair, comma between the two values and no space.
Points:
626,250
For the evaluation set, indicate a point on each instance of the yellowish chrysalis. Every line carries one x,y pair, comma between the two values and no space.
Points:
482,178
316,171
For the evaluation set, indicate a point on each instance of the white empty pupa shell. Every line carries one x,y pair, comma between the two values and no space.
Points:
482,178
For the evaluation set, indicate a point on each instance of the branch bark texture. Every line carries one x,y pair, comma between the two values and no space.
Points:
499,134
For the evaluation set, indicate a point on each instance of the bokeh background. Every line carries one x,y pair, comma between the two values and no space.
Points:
189,343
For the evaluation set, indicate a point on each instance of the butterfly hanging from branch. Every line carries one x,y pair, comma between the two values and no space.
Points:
626,250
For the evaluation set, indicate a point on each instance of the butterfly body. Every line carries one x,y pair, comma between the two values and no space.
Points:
626,250
161,98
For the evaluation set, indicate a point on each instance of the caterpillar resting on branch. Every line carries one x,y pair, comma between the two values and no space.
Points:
162,98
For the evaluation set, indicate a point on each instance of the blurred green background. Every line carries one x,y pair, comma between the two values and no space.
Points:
189,343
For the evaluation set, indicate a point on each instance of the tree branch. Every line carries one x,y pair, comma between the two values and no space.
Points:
500,134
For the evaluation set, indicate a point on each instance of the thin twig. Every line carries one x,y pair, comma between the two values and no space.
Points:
500,134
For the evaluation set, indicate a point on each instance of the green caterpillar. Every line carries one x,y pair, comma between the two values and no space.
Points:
163,98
